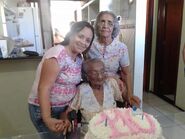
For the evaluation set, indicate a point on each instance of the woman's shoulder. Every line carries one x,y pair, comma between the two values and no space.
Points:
54,51
119,43
121,46
57,48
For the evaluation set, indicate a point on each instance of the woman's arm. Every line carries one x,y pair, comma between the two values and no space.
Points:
126,77
49,73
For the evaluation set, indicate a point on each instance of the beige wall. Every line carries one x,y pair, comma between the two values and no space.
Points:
1,24
16,78
180,94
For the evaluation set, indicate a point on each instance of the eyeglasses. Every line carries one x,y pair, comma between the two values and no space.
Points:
108,23
97,73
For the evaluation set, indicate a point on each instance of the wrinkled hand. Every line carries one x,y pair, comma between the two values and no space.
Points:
55,125
68,126
135,101
66,122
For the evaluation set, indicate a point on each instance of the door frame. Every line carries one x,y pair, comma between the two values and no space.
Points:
148,45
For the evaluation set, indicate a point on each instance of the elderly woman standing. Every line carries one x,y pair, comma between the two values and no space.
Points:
110,50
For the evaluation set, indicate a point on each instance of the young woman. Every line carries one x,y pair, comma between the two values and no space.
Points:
56,78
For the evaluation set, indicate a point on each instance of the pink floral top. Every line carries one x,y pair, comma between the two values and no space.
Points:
114,56
64,88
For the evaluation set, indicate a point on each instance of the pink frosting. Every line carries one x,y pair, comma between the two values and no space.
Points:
126,118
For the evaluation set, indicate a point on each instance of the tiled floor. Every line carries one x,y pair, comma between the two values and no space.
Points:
172,119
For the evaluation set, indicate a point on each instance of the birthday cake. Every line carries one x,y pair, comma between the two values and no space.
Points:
124,123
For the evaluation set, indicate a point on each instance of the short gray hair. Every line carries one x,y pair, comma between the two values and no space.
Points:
85,67
116,28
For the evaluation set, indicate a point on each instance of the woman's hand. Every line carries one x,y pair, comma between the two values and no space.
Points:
132,101
67,123
135,101
67,127
55,125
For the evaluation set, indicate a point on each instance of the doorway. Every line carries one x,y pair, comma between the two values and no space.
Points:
167,48
62,17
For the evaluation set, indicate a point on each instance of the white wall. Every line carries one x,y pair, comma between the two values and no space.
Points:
180,92
139,47
154,37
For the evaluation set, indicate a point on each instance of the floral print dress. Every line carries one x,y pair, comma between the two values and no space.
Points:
86,102
114,55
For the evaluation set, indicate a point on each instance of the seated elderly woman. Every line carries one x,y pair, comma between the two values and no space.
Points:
96,93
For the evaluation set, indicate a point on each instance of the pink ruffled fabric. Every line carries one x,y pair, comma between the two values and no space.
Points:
126,118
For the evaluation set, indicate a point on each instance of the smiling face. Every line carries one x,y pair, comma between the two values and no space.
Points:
106,25
96,73
80,42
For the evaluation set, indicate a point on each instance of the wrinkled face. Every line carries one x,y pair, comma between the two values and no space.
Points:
96,73
81,41
106,25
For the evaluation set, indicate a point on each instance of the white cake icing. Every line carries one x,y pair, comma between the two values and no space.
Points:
119,123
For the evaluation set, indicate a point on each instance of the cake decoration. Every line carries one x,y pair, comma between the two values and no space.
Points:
124,123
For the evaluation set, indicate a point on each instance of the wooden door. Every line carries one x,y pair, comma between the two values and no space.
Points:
168,46
148,44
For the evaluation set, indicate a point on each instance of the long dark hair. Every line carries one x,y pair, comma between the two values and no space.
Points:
76,28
